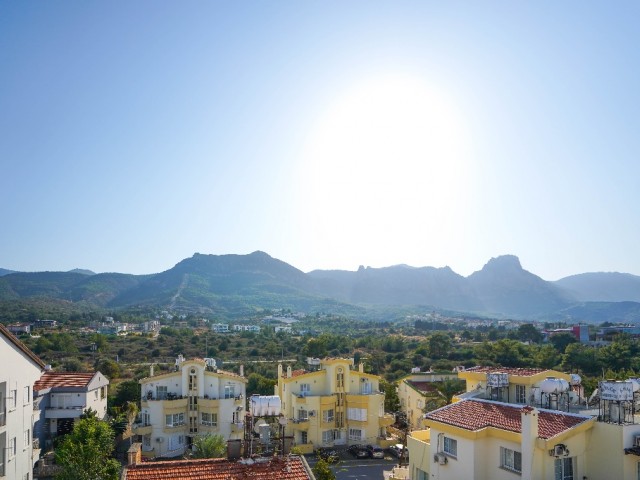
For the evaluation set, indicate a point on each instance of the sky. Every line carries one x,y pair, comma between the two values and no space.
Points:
327,134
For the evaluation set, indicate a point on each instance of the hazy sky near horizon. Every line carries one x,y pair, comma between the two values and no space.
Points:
327,134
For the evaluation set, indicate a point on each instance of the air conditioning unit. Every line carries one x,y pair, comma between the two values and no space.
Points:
440,458
363,380
159,439
312,413
559,450
636,441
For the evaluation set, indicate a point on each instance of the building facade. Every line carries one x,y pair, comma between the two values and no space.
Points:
194,399
332,404
62,397
415,393
19,370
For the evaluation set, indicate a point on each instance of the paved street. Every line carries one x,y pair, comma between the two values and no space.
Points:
350,468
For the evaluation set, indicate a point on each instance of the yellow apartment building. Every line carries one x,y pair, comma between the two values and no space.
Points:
332,403
415,390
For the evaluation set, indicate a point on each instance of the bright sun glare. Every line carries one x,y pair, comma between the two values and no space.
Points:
387,156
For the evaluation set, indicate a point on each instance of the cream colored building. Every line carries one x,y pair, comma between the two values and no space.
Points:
194,399
510,385
487,440
332,404
415,391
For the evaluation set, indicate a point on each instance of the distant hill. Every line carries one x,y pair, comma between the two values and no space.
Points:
240,285
82,270
602,287
4,271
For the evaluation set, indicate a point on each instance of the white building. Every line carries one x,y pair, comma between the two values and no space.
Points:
63,397
195,399
19,369
220,327
246,328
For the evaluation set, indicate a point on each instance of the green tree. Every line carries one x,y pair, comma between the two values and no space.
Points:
322,471
546,357
529,333
391,400
581,357
85,453
127,391
561,340
209,446
439,345
449,387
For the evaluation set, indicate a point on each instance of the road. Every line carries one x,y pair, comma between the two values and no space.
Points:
360,469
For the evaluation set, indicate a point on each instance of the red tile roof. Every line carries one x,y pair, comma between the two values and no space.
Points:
21,346
522,372
424,387
276,468
475,415
63,379
295,373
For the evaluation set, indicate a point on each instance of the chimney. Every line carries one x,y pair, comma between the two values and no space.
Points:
361,367
279,370
288,371
134,454
529,418
242,370
151,370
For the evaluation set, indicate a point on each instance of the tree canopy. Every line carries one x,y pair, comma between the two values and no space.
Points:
85,453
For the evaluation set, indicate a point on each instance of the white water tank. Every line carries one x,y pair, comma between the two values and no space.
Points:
554,385
575,379
265,405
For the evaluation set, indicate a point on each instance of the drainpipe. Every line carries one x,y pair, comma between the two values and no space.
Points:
529,418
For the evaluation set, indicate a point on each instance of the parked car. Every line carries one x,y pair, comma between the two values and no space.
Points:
358,451
397,450
329,455
375,451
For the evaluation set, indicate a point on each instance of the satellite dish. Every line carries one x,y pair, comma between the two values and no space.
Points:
283,421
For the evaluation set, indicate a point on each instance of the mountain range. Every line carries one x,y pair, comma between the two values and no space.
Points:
236,285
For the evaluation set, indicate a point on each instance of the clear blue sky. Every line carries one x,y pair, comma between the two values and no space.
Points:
328,134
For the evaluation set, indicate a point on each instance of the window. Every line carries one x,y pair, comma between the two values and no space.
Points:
12,447
174,420
13,399
209,419
510,459
339,378
303,415
229,391
305,389
27,438
161,392
359,414
328,436
450,446
564,468
365,386
27,395
340,419
421,475
521,394
356,434
327,415
304,437
176,442
103,392
146,418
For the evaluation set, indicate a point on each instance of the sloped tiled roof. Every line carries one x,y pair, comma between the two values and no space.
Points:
276,468
522,372
296,373
21,346
424,387
63,379
476,414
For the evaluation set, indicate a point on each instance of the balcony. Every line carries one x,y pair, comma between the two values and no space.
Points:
386,420
64,412
142,429
301,423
